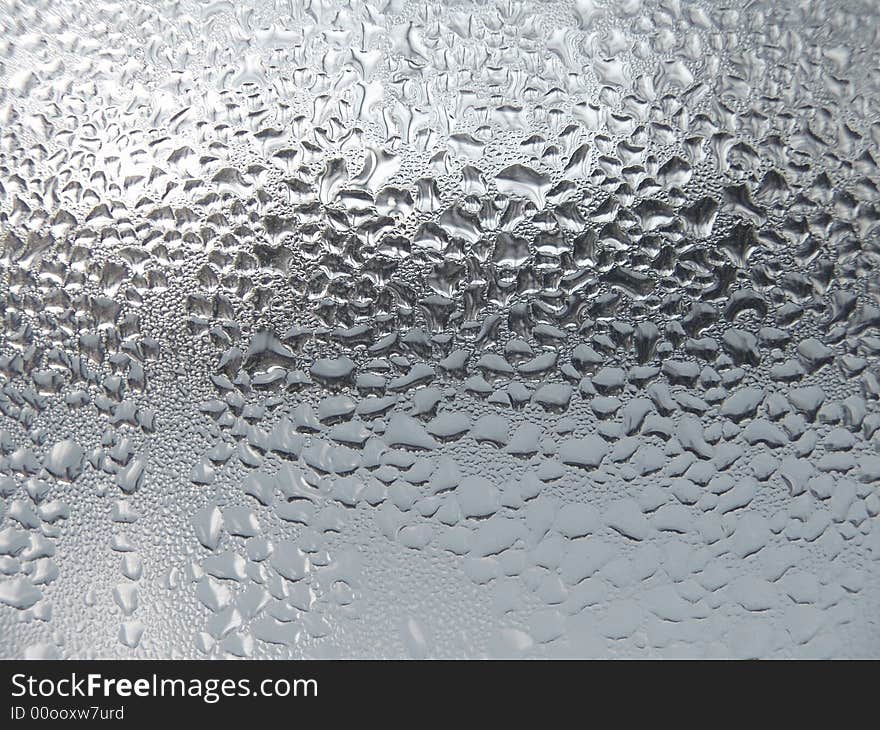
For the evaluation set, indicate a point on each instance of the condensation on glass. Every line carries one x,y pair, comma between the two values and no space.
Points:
379,329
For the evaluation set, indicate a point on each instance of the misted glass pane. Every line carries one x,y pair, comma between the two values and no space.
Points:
414,329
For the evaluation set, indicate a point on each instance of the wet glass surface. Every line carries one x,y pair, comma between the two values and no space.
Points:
400,329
